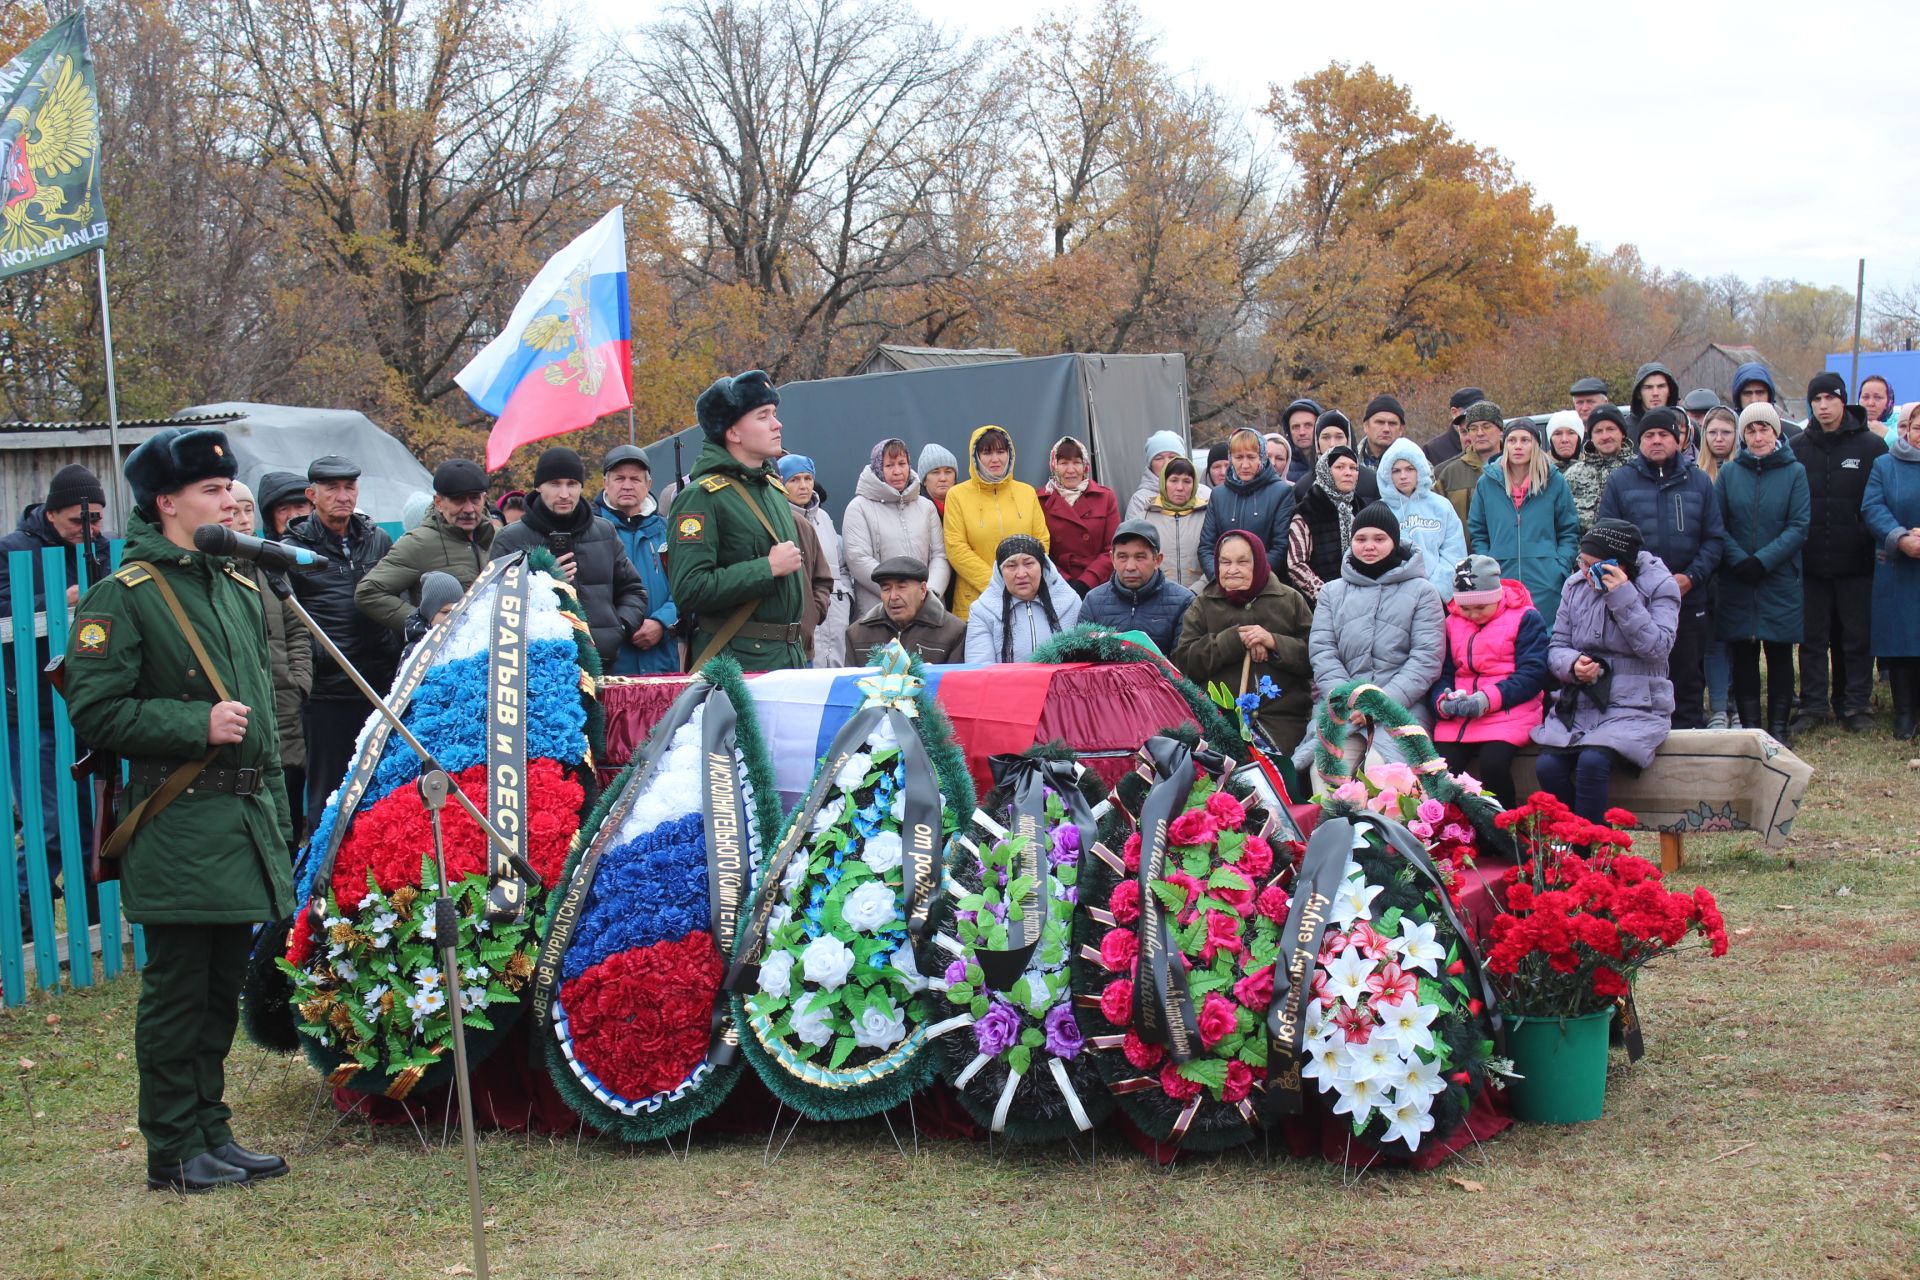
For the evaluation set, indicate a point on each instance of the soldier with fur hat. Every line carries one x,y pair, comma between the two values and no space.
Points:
208,859
733,559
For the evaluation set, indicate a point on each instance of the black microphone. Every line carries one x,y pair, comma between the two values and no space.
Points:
219,540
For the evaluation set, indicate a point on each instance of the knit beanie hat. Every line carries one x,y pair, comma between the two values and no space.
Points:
437,591
1019,544
1332,418
1386,404
1483,411
72,485
1476,580
1378,515
1165,442
1566,419
559,463
1528,425
1661,419
935,456
1760,411
1826,384
1216,452
1612,539
1607,413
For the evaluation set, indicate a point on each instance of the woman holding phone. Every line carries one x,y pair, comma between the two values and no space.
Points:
1612,636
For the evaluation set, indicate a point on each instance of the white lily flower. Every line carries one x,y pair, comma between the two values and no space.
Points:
1407,1121
1352,901
1347,976
1417,948
1358,1098
1406,1022
1418,1078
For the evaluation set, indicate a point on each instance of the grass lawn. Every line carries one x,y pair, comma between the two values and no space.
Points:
1768,1132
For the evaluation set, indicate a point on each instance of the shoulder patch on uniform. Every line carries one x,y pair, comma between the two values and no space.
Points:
777,483
243,580
132,576
90,637
714,484
690,527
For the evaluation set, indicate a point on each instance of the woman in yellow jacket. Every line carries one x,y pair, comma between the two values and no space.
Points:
983,510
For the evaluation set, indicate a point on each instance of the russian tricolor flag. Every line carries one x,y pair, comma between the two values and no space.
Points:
563,360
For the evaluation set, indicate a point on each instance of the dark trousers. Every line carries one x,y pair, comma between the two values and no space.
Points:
1491,762
1839,639
1687,668
1744,655
331,728
189,1007
295,779
1581,780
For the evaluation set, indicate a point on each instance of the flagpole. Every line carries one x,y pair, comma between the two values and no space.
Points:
113,394
631,436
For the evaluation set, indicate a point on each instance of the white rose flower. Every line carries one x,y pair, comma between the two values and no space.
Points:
883,735
829,813
880,1029
869,907
903,961
882,851
810,1023
779,917
776,973
854,771
826,962
898,809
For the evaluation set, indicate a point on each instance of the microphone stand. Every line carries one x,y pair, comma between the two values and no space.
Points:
436,788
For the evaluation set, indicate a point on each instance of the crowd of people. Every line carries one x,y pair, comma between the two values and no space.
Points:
1581,581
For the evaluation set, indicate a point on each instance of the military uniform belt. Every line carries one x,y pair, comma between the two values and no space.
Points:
780,633
239,782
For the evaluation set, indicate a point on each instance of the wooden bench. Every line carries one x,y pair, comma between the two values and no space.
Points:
1708,780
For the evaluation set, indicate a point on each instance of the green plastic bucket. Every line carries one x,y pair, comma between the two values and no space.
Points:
1564,1065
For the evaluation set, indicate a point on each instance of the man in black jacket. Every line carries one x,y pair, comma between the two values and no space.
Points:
1838,451
350,545
68,519
589,549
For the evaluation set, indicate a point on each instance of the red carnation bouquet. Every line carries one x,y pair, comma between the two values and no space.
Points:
1583,913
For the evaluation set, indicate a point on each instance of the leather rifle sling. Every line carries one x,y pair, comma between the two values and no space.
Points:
738,618
181,778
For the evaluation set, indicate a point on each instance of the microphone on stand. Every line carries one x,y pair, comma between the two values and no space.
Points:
277,557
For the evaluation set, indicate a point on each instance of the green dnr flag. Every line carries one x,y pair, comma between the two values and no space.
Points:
50,207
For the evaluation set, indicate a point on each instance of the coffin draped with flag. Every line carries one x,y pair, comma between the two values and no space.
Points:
502,693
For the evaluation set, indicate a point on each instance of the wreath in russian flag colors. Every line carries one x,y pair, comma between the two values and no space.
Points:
638,1037
502,694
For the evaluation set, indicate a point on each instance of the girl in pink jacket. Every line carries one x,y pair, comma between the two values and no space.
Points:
1488,697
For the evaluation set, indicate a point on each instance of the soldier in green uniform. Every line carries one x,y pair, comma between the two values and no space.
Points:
201,871
731,553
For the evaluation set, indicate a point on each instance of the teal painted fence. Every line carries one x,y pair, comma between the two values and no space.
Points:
67,952
70,952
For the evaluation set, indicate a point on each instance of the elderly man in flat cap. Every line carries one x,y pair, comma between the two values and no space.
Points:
349,545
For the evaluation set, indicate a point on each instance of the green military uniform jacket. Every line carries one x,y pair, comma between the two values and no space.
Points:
135,688
717,558
391,588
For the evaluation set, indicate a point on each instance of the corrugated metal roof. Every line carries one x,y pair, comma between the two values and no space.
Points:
184,420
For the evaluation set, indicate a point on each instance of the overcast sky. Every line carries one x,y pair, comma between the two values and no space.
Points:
1716,136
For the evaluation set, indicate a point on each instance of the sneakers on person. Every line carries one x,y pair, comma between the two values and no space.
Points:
1718,720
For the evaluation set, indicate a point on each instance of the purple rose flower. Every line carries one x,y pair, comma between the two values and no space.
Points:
1063,1033
956,973
997,1032
1066,845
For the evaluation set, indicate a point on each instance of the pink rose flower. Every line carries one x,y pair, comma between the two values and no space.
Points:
1217,1019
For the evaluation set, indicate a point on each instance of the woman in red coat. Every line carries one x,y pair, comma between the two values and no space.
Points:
1081,516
